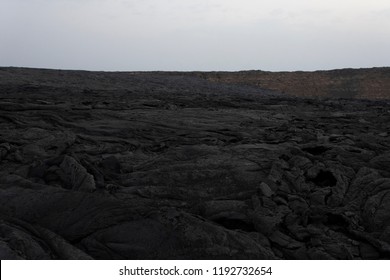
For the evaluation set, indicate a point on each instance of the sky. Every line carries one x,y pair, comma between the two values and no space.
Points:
195,35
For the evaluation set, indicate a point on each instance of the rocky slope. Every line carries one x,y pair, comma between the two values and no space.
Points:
100,165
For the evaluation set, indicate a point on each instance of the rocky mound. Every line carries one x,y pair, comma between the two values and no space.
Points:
157,166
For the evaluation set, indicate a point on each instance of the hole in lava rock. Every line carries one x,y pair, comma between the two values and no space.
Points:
285,157
336,220
235,224
318,150
324,179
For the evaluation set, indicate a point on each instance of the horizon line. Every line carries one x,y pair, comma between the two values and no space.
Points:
192,71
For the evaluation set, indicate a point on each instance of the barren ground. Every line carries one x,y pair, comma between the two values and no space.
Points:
168,166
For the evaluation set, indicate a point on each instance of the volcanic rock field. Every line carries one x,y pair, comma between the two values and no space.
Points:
137,165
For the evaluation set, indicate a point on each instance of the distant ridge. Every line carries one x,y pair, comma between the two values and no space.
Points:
364,83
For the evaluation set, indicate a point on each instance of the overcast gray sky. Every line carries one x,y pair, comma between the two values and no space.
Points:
195,34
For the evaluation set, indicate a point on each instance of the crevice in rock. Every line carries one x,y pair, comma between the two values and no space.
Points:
235,224
316,151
